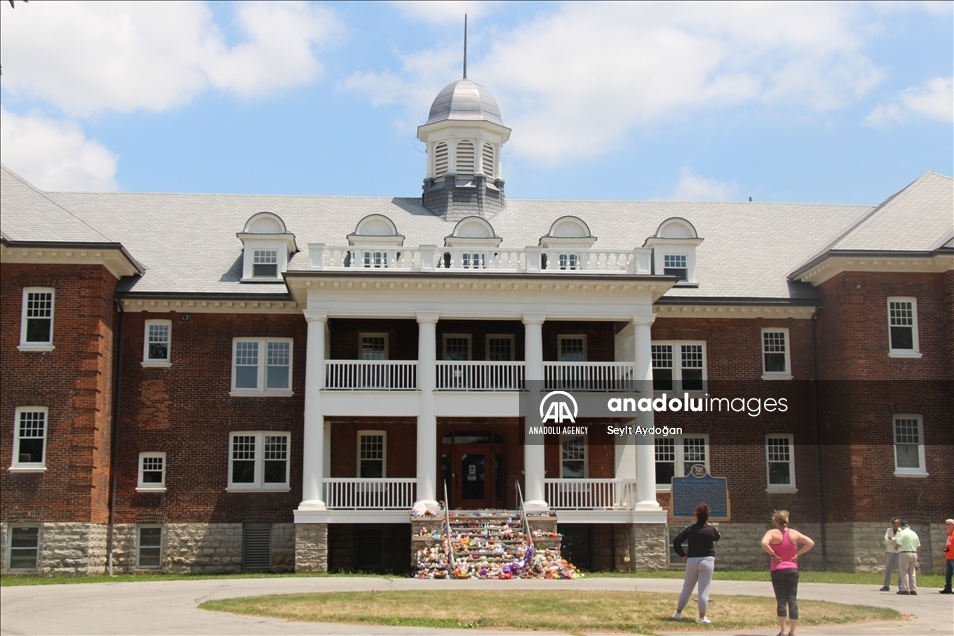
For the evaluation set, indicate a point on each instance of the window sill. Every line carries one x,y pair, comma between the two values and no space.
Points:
781,490
148,489
36,348
262,280
27,469
258,489
904,354
156,365
260,394
776,376
916,475
685,284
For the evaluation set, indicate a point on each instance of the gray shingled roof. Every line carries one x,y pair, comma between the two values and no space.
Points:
187,242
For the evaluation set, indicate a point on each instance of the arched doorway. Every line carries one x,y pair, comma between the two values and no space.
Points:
473,467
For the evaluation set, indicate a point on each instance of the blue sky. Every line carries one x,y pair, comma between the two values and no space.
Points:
806,102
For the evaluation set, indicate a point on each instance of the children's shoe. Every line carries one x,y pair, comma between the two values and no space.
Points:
704,621
677,616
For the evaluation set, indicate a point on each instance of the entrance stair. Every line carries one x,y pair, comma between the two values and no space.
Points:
488,544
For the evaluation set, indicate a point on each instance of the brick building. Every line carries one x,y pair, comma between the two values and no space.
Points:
219,382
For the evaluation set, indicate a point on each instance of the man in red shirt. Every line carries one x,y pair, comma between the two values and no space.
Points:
949,555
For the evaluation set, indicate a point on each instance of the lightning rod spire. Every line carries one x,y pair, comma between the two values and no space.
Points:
465,46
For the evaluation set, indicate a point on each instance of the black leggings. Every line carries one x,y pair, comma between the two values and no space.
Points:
785,583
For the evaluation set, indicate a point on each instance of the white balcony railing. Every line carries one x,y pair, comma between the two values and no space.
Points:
371,375
430,258
480,376
588,376
590,494
353,493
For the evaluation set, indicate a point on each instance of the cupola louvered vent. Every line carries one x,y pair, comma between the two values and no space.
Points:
488,153
440,160
465,158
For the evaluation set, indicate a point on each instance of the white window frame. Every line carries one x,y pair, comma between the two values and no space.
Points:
261,389
140,546
16,465
769,486
586,457
258,480
679,469
571,336
263,244
470,345
676,346
363,335
921,469
661,252
156,362
915,351
9,546
37,346
499,336
787,343
384,452
144,486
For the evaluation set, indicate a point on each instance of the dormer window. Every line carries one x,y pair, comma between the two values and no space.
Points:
375,241
674,250
474,244
566,242
268,248
675,265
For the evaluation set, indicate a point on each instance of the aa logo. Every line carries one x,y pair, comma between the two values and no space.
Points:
558,407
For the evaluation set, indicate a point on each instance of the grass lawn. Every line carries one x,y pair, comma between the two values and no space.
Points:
925,582
569,611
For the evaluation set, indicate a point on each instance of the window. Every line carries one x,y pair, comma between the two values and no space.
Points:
903,327
152,471
573,461
572,348
570,261
909,446
36,324
156,343
679,366
775,357
149,546
265,263
675,457
374,346
371,454
376,260
24,548
29,438
499,348
473,261
456,346
676,265
780,462
261,366
258,461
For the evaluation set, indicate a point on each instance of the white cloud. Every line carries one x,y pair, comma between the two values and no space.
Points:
447,12
55,155
572,83
692,187
86,57
933,99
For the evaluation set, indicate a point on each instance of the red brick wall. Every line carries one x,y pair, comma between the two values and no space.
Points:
186,412
73,381
401,455
862,388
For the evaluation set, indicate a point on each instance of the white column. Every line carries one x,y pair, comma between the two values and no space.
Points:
314,443
534,465
427,486
645,445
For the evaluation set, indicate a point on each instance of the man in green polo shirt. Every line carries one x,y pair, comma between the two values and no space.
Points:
909,547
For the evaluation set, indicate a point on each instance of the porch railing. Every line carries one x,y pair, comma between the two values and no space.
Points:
590,494
355,493
371,375
589,376
480,376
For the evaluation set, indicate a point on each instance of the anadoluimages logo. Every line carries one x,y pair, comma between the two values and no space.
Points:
556,407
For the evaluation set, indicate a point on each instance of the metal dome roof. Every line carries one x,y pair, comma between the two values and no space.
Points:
464,99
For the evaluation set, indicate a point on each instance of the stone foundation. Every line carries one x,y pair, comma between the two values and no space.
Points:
311,547
66,548
650,547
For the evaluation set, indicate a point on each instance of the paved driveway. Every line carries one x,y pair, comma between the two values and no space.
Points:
170,607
